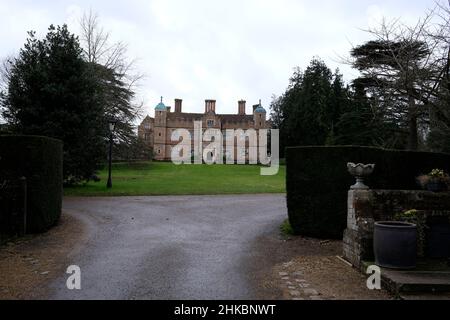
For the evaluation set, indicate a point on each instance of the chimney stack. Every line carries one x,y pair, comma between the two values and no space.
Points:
178,104
241,110
210,106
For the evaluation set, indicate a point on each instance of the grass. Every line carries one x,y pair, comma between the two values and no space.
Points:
163,178
286,228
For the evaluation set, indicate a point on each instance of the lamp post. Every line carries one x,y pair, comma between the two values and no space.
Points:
112,126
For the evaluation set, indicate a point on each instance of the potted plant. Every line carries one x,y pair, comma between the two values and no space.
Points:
433,232
395,244
419,219
436,181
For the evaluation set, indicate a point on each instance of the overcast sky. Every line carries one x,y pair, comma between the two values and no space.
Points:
225,50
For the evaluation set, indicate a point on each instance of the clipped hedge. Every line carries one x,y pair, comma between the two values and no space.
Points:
39,160
317,182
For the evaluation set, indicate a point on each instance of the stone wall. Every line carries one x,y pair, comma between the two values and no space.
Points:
146,131
365,207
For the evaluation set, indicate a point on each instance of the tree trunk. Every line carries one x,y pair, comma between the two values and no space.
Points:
413,139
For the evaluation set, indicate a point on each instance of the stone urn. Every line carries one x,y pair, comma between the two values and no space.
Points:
360,171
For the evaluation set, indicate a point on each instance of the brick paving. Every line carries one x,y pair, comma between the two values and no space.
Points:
323,278
298,288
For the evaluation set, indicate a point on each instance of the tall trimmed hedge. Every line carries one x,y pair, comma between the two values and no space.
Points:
317,182
39,160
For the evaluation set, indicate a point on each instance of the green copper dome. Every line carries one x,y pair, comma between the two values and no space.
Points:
160,106
260,109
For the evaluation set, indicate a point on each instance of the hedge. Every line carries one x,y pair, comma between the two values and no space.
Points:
39,160
317,182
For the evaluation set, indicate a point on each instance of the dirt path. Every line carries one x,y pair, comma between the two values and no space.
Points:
309,269
27,265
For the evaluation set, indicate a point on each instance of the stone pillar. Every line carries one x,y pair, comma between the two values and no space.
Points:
358,237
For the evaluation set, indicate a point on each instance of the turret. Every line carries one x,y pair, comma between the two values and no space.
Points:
160,130
161,114
259,116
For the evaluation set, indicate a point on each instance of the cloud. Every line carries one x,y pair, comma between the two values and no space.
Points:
227,50
73,15
16,20
374,16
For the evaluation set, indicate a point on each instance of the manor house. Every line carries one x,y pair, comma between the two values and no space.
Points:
157,132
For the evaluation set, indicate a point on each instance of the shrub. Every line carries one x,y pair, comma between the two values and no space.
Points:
39,160
317,182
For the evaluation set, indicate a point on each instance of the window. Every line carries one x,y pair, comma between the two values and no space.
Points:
210,123
159,134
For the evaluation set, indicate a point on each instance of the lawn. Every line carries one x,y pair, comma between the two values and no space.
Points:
163,178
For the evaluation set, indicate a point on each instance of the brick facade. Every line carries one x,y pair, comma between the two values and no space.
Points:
157,132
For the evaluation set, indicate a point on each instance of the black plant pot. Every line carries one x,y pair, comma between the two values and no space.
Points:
438,238
436,186
395,245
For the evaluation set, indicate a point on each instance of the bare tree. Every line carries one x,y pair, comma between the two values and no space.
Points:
5,73
404,67
439,139
97,47
116,70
